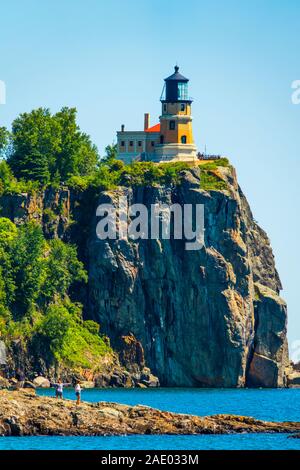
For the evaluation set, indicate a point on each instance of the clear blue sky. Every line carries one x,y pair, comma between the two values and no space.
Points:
109,58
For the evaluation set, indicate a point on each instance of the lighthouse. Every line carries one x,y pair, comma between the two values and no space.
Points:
176,133
169,140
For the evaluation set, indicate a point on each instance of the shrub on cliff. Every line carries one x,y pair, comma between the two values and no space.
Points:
211,179
112,173
65,338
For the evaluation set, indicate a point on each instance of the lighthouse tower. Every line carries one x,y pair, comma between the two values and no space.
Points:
176,141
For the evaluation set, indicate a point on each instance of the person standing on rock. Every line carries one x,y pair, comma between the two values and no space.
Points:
78,392
20,376
59,387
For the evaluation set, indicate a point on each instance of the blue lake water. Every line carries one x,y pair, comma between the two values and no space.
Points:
272,405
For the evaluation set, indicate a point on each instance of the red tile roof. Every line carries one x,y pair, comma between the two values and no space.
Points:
155,128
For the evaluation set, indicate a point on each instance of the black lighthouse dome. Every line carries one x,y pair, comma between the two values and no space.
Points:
176,88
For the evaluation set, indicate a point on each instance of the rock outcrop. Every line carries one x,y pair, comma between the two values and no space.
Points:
208,318
24,414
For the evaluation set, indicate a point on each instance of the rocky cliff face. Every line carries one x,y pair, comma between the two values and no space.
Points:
210,318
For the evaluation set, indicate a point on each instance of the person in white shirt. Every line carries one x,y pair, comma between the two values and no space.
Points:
59,387
78,392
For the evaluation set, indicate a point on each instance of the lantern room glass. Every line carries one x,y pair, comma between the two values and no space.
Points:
182,91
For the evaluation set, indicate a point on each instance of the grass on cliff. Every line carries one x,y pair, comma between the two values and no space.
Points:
210,177
114,173
210,181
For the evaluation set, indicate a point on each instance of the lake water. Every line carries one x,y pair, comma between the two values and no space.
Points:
272,405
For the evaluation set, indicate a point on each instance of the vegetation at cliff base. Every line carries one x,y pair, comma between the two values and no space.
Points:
36,280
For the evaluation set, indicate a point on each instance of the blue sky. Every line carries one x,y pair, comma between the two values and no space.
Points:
109,58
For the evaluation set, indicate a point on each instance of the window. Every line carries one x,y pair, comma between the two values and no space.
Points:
172,125
161,139
131,143
139,143
182,91
152,144
165,107
182,107
183,139
122,143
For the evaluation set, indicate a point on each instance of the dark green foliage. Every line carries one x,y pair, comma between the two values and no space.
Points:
10,185
34,166
28,266
50,148
61,270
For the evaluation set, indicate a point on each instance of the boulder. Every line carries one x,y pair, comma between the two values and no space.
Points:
87,384
149,380
294,379
41,382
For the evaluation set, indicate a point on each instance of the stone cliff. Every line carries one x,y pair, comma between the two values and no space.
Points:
208,318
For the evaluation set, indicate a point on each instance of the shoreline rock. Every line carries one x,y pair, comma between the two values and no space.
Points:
22,413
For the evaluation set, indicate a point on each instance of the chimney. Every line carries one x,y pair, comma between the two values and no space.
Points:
122,128
146,121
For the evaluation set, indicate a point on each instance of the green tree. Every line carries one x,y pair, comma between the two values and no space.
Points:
34,134
50,148
62,269
35,166
78,156
4,140
53,328
111,153
8,234
6,176
28,267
